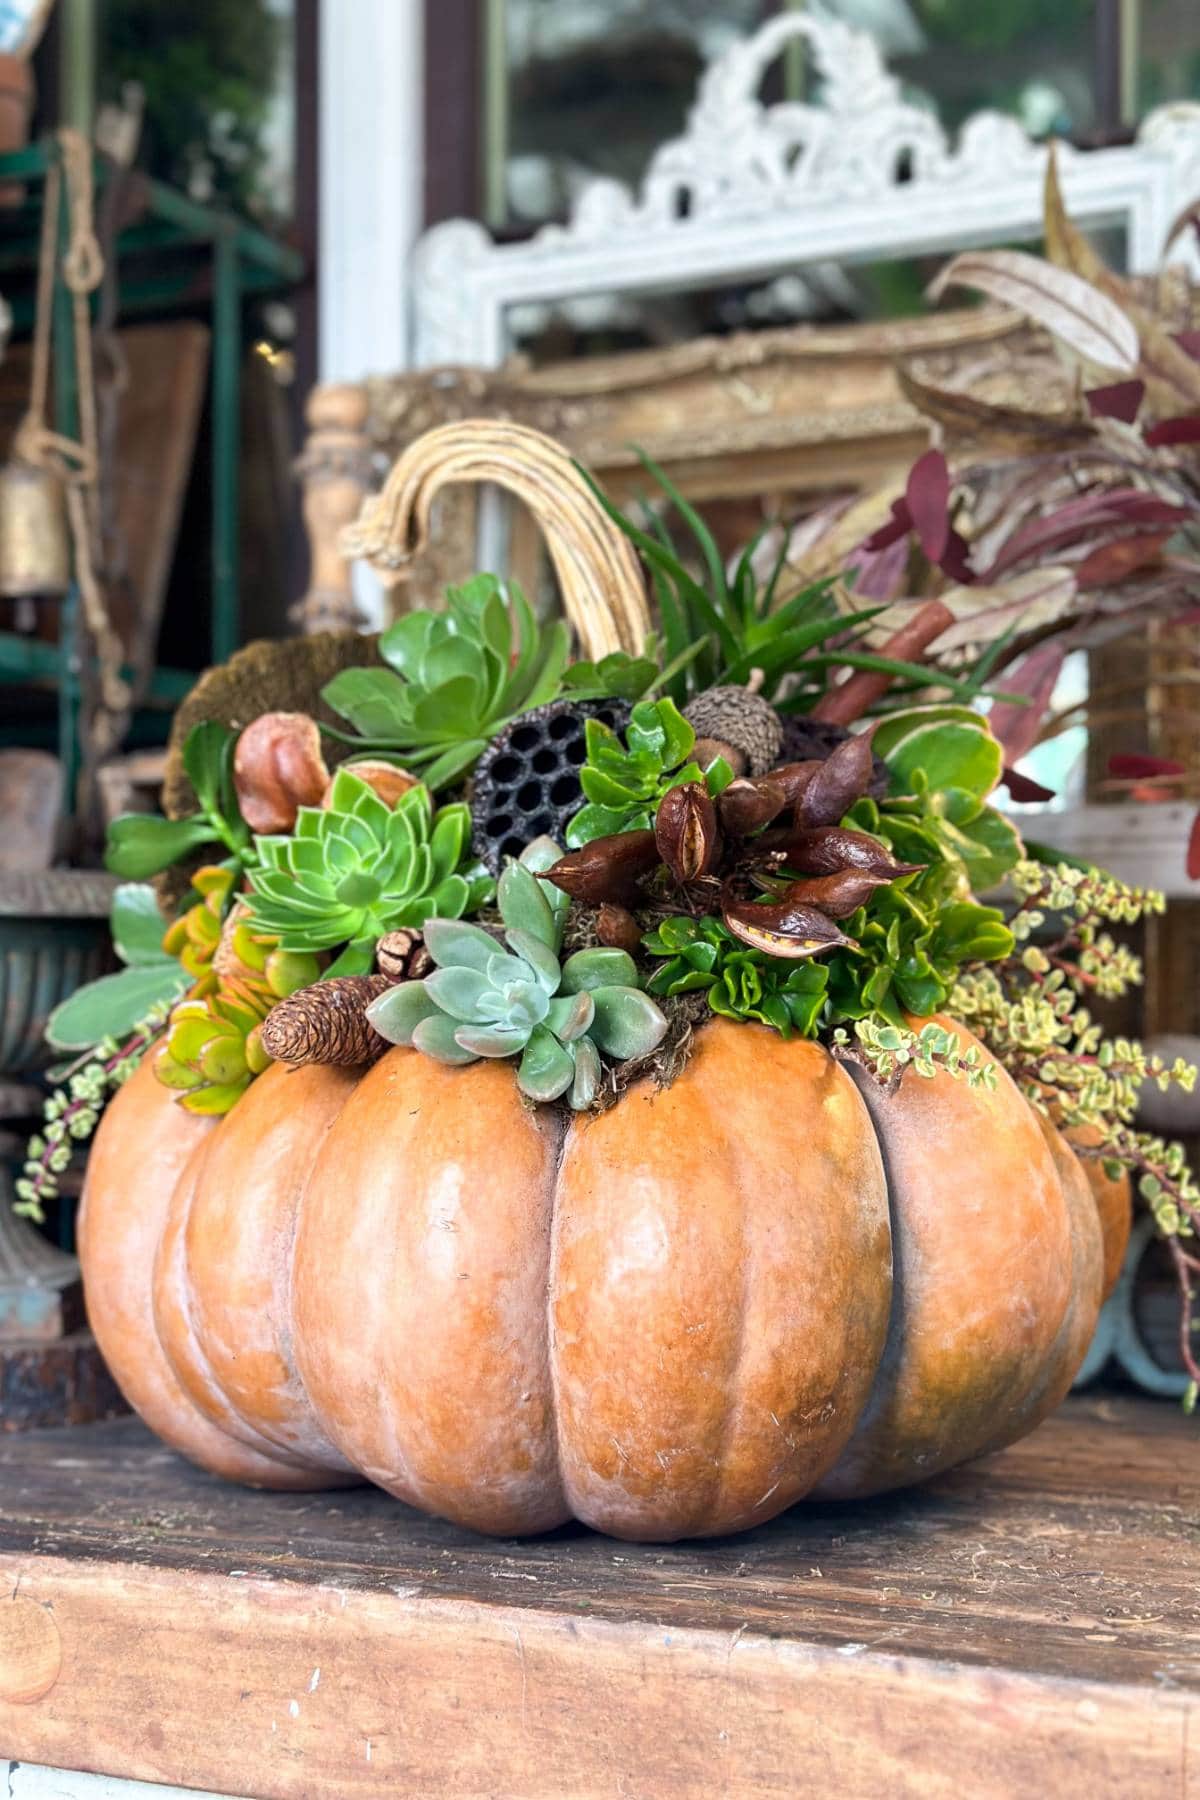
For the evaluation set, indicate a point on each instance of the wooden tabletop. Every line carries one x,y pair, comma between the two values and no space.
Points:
1026,1626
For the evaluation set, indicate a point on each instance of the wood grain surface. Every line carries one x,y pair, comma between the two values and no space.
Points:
1028,1625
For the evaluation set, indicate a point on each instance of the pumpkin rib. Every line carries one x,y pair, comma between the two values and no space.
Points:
968,1336
237,1248
653,1219
175,1325
418,1286
140,1150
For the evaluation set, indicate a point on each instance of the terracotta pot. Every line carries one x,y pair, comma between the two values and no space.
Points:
769,1280
16,110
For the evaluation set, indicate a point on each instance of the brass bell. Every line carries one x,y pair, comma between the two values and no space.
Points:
35,543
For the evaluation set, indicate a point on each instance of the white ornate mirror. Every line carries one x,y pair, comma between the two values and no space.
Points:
750,191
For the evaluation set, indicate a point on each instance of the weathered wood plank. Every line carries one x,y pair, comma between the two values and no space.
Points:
1028,1625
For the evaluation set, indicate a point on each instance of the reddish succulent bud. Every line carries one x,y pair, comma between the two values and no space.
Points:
687,833
277,769
608,868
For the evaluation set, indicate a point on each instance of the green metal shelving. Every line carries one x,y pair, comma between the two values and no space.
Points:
182,252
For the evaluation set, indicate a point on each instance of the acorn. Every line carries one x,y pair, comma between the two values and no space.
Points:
738,724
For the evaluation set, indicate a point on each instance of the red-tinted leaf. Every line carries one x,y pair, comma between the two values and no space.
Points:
1193,850
1081,519
1023,788
1189,341
1136,765
881,573
1110,563
1120,400
954,559
928,497
1174,431
898,526
1015,726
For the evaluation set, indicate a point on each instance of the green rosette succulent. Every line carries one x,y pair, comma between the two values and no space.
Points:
359,868
485,1000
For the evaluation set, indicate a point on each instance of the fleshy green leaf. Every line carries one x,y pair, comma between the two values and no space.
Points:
397,1013
523,905
539,956
435,1036
950,754
570,1016
454,944
113,1005
588,970
588,1072
143,844
459,993
137,926
491,1040
627,1022
546,1069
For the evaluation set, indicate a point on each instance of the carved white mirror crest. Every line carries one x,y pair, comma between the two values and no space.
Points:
750,191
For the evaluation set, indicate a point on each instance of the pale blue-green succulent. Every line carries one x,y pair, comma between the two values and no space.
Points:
485,1000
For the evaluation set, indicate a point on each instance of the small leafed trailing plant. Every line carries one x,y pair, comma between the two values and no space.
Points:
1029,1008
516,999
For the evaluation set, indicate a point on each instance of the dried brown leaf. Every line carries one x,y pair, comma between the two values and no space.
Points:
1074,310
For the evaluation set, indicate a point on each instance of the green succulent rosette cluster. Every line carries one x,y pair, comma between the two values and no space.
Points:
624,783
357,869
485,1000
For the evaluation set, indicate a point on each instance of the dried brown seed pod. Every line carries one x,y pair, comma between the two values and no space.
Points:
327,1023
608,868
836,895
787,929
385,778
617,929
686,831
794,778
827,849
277,769
838,782
746,806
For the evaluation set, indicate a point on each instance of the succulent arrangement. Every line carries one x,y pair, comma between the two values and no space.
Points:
758,818
493,999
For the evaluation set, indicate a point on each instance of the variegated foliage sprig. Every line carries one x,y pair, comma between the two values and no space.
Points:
1030,1009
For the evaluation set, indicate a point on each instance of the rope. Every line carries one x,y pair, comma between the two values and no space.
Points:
76,463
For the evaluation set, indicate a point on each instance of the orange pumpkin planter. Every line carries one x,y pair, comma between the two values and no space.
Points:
774,1277
673,1320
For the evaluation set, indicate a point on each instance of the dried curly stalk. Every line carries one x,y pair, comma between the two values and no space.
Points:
597,567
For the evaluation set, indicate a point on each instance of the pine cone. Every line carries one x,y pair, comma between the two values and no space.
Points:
401,955
327,1023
